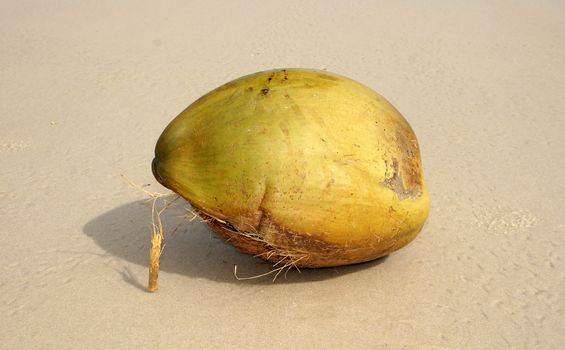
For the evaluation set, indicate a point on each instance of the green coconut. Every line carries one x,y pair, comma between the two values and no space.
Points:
298,166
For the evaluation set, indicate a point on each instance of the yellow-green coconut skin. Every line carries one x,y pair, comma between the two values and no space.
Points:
298,164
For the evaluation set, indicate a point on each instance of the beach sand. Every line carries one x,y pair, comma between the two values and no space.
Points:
87,87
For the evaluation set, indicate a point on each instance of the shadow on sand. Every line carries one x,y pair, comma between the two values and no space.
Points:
192,250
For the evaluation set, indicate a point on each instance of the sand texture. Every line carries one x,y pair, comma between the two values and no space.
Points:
86,87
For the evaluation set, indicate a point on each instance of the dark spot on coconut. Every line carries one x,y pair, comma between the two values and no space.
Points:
410,165
264,91
396,183
285,75
249,89
270,77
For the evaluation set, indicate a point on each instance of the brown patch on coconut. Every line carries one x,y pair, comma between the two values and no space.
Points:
275,243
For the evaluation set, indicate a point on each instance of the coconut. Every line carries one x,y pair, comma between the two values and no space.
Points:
299,167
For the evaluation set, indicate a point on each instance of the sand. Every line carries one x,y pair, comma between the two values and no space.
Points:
87,87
